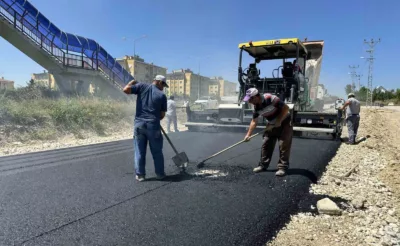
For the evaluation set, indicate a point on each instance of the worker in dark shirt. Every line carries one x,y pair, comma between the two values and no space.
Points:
151,106
279,127
296,67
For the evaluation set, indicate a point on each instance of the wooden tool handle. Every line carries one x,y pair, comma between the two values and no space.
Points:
173,147
230,147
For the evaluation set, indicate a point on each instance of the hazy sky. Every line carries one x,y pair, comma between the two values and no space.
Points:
212,29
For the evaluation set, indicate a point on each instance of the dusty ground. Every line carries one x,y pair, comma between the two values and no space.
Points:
369,197
125,131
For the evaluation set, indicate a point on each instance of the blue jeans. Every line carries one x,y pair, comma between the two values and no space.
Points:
148,132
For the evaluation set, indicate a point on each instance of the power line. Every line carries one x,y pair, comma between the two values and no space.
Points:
353,75
370,59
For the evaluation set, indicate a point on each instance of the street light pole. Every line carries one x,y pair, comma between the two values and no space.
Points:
134,43
198,89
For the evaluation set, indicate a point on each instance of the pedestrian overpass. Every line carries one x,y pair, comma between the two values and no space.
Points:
74,61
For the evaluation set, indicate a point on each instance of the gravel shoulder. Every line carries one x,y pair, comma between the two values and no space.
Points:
368,199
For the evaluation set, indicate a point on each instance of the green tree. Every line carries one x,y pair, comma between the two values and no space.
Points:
31,83
348,89
362,93
398,94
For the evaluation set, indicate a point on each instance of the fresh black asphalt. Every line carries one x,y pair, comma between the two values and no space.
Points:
88,195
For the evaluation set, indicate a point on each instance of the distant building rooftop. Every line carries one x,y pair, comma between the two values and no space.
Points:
5,81
6,84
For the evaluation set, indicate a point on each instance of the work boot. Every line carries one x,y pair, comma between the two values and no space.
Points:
259,169
140,178
160,177
280,172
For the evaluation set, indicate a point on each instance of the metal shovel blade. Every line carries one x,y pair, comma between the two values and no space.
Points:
181,160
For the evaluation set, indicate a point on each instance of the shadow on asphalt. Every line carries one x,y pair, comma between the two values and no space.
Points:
298,171
179,177
182,176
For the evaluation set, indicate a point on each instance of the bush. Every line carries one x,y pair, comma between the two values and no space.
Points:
45,118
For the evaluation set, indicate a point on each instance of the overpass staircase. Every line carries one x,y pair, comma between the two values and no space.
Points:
67,56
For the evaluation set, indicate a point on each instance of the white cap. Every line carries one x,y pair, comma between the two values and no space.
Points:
351,94
250,93
161,78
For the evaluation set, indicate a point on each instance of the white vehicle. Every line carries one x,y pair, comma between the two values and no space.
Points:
207,102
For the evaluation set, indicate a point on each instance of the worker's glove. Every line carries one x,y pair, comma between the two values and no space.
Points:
269,127
246,138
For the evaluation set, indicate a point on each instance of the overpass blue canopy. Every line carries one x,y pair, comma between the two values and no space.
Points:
68,42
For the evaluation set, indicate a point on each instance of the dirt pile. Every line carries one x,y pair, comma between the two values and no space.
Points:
368,197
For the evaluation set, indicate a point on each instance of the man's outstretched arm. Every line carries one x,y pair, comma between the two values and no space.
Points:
128,88
347,103
253,126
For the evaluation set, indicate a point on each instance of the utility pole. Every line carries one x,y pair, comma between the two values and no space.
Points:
353,75
359,79
371,58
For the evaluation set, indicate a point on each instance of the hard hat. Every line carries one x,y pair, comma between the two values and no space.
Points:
351,94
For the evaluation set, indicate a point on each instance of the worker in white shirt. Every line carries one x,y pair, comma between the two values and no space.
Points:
171,114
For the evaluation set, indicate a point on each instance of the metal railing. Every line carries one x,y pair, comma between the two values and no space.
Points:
116,73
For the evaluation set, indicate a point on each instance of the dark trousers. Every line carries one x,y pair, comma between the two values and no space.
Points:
284,134
353,122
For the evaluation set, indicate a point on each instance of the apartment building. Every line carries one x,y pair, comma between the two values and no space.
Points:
213,88
222,87
185,83
45,79
228,88
177,84
141,70
6,84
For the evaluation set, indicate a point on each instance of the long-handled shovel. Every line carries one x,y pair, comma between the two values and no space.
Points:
180,159
201,164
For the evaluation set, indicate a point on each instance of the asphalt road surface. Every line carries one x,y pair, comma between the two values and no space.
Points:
88,195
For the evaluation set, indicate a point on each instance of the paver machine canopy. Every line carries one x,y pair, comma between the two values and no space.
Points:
289,81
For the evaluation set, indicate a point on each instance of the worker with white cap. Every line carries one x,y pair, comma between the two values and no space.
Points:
279,127
151,107
352,116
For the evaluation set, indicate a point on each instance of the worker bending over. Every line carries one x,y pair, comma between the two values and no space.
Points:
279,127
352,117
151,106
